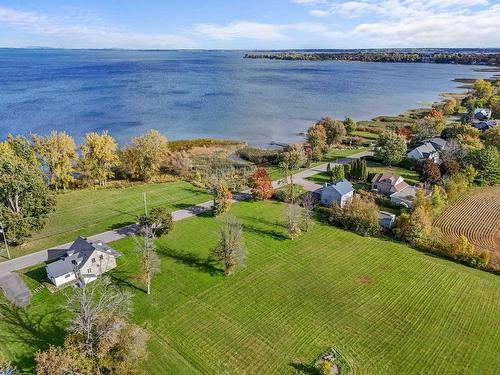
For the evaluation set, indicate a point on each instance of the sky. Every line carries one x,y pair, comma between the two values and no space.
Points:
249,24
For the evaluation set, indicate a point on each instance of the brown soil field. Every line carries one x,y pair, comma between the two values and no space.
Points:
477,216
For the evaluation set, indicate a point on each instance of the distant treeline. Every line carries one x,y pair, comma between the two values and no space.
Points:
437,58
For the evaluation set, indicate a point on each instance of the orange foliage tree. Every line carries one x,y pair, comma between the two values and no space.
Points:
262,186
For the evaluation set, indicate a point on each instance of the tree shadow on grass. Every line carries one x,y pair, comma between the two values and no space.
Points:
191,260
303,368
124,279
38,274
34,330
276,235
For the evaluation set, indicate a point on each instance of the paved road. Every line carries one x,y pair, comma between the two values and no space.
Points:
116,234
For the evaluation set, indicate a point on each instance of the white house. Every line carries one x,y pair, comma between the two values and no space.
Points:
340,193
84,262
429,149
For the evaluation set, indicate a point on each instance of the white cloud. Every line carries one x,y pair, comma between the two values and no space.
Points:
256,31
319,13
80,31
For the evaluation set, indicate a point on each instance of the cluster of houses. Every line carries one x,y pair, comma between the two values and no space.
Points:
482,119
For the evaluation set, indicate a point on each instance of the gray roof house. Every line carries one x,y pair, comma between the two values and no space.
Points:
485,125
482,114
429,149
406,196
84,261
388,183
386,219
339,193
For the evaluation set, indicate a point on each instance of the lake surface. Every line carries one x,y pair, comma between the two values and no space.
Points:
187,94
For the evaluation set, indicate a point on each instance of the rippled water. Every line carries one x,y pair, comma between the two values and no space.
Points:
188,94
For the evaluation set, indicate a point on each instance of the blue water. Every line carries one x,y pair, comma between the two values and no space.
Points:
188,94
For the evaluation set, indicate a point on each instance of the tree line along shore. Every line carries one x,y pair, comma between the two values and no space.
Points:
390,57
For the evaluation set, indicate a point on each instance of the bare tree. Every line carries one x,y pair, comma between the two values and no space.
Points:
307,204
98,310
292,220
231,248
150,262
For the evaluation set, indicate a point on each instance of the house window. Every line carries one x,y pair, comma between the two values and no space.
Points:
93,260
89,270
67,275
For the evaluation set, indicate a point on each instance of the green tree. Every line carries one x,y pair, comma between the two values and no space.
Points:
335,130
390,148
145,155
231,248
316,137
159,221
25,200
57,152
349,124
337,173
99,156
360,215
359,169
488,166
491,137
483,89
456,185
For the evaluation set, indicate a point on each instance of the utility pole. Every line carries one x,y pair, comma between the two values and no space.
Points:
4,239
145,204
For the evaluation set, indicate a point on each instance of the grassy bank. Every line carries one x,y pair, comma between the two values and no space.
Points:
88,212
387,308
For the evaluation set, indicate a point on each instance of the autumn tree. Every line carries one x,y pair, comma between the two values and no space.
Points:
390,148
231,248
150,262
222,198
179,163
292,159
456,185
482,89
349,124
449,167
428,171
99,156
57,153
491,137
335,130
25,200
100,341
292,219
145,155
157,223
316,137
360,215
261,184
450,106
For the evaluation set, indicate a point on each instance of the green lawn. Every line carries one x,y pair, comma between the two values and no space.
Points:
367,135
387,308
333,154
88,212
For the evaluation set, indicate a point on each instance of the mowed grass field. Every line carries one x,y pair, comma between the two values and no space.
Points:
88,212
387,308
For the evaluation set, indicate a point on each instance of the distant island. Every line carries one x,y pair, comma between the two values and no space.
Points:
392,57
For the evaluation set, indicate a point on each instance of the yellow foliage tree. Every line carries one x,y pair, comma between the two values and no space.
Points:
99,156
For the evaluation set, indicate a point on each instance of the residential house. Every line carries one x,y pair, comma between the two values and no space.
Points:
340,193
485,125
84,262
386,219
429,149
406,196
482,114
388,183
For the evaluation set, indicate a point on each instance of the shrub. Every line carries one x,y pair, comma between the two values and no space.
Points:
258,155
284,194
